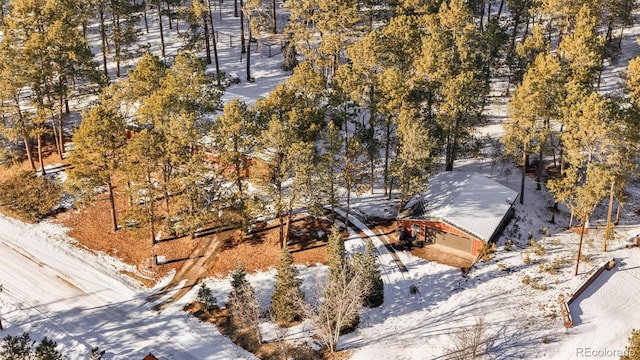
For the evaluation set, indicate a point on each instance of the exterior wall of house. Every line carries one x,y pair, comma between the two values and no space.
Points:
436,231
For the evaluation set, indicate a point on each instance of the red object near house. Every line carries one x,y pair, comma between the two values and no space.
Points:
150,357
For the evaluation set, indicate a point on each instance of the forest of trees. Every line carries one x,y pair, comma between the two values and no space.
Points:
380,92
388,90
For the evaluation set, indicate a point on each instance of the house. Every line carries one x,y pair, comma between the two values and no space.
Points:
460,210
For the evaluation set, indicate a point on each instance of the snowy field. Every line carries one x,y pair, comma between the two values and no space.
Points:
80,299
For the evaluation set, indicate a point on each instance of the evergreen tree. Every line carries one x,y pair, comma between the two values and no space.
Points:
205,298
238,278
98,145
413,162
581,52
17,347
332,146
329,24
451,66
31,196
632,351
367,265
96,353
336,252
287,296
534,105
46,350
234,138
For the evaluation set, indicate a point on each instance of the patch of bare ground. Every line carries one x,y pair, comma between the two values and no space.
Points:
248,340
260,250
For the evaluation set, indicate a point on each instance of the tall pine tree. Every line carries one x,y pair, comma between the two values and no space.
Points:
287,296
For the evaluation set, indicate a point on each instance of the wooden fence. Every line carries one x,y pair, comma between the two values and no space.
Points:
566,313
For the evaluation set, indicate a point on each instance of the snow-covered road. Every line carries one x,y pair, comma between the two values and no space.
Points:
52,288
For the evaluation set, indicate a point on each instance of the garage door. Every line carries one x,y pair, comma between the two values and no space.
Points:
454,241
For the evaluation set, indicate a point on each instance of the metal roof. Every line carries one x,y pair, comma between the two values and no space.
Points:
467,200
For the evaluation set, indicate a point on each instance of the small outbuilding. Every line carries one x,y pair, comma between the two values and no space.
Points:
460,210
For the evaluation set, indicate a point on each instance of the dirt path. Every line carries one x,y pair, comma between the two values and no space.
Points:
191,273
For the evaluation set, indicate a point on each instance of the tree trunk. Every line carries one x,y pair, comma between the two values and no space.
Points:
609,210
103,43
387,146
40,157
214,43
61,126
54,127
144,13
115,20
274,25
539,172
249,52
618,210
27,146
112,203
512,42
584,222
500,8
235,8
242,40
279,214
207,40
164,56
523,174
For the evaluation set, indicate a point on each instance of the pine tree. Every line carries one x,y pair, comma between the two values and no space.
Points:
287,296
96,353
238,278
367,265
205,298
632,351
413,162
451,65
46,350
336,252
581,52
534,105
17,347
98,145
234,137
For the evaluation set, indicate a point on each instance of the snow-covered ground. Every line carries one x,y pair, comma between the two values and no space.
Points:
80,299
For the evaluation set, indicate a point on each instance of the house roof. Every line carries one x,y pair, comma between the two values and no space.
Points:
469,201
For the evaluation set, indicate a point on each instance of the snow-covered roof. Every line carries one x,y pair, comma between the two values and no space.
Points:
469,201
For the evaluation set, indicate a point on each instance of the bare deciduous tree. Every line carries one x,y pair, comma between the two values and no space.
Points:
244,308
471,342
338,304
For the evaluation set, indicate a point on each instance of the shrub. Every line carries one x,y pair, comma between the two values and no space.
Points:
526,279
486,251
537,248
508,245
527,259
536,285
29,195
